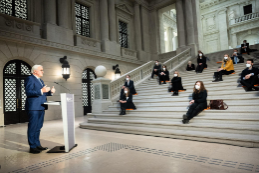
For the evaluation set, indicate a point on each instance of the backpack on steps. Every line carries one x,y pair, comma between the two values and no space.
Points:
218,104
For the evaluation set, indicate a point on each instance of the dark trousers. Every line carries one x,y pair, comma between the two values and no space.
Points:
200,68
36,119
163,78
222,72
155,72
249,83
194,110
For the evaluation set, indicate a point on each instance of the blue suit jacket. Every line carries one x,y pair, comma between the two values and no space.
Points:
35,100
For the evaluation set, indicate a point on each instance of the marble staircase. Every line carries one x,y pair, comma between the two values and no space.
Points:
160,114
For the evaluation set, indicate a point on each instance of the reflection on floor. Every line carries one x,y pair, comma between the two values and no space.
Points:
107,152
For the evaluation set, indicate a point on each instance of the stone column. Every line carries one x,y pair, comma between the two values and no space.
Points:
63,13
137,27
112,20
189,22
104,20
234,40
50,12
180,24
223,30
170,39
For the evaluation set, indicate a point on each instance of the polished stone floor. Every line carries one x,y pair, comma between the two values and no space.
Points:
107,152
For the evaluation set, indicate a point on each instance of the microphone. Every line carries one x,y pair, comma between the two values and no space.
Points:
62,86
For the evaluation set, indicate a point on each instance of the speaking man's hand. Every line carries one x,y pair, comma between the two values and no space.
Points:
45,89
53,90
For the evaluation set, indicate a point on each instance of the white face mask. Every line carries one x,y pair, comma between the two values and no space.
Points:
248,65
226,58
200,54
156,63
197,87
125,92
175,74
164,69
127,78
235,52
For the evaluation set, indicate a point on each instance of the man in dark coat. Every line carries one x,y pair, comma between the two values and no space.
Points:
249,76
245,47
156,69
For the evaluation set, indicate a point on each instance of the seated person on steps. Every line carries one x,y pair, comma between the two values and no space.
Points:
227,68
237,57
249,76
245,47
130,84
126,101
198,102
176,83
164,75
201,62
156,69
190,66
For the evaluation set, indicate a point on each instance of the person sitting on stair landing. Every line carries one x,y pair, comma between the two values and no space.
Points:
164,75
156,69
227,68
249,76
190,66
201,62
126,101
176,83
237,57
198,102
245,47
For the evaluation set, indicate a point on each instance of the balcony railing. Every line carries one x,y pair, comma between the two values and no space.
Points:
247,17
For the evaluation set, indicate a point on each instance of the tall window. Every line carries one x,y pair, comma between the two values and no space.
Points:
247,9
123,31
16,8
82,20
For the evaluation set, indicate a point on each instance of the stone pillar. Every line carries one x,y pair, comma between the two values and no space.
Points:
137,27
104,20
180,24
101,85
112,20
170,39
50,12
63,13
223,30
234,40
189,22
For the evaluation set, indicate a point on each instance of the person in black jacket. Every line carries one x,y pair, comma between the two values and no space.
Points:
126,101
130,84
190,66
249,76
245,47
164,75
201,62
198,102
176,83
156,69
237,57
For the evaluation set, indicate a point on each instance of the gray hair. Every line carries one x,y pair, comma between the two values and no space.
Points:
35,67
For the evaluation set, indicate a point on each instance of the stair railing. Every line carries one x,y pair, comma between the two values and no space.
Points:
143,72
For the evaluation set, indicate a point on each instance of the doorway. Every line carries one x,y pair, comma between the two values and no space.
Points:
14,74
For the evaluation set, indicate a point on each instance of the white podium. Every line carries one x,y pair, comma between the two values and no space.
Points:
68,117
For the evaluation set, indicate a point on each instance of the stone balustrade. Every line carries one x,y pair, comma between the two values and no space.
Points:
247,17
143,72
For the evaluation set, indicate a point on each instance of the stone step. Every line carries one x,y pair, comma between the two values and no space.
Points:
223,128
246,140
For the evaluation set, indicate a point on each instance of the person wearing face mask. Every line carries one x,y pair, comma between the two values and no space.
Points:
130,84
249,76
190,66
237,57
126,101
164,75
201,62
176,83
245,47
198,102
227,68
156,69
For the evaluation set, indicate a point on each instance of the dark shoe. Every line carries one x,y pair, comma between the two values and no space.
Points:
216,80
255,89
175,94
164,83
124,113
185,121
185,117
121,113
220,79
42,148
34,151
248,89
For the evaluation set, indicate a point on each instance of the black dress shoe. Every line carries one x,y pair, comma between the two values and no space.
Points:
42,148
185,121
185,117
34,151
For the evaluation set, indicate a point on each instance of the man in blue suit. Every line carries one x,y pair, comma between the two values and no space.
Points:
36,92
